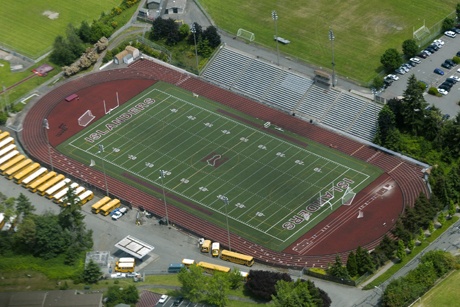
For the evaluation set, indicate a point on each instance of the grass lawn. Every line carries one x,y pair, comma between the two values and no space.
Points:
207,154
26,27
363,30
444,294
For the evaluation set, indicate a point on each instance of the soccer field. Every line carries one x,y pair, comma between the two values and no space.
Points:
275,184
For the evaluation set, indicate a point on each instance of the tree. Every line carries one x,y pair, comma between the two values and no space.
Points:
211,35
262,283
217,289
24,206
391,60
338,269
235,279
7,208
62,55
401,252
84,32
457,10
364,261
421,235
352,266
431,227
290,293
92,273
441,218
192,283
117,295
442,261
76,45
26,235
386,122
377,82
198,33
410,48
203,48
411,245
452,209
413,106
448,24
50,239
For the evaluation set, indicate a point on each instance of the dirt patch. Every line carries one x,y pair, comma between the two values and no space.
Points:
51,15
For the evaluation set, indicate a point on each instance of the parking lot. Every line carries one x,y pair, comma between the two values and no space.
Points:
425,72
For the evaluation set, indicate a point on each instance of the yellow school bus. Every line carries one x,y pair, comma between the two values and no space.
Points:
86,197
96,208
110,206
8,156
42,171
6,141
9,173
206,246
4,134
211,268
26,171
10,163
237,258
34,185
56,188
56,197
62,200
44,187
7,149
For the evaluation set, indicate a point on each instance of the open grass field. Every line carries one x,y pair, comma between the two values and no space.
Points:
30,28
363,30
207,153
444,294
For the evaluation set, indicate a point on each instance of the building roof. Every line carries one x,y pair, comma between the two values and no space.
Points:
180,4
57,298
134,247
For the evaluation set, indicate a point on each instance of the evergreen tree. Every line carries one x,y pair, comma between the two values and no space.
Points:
413,106
441,219
290,293
211,35
364,261
410,48
24,206
92,273
431,227
386,122
452,209
352,266
337,269
84,32
401,252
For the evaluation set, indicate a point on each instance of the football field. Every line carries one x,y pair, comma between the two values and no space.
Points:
271,184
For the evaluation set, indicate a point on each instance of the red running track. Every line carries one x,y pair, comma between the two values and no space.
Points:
342,231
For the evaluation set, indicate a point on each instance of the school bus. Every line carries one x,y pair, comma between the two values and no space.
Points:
42,171
86,197
7,149
10,163
125,267
96,208
63,199
188,262
126,259
9,173
205,247
44,187
215,249
56,188
34,185
6,141
110,206
236,258
26,171
62,192
4,134
8,156
211,268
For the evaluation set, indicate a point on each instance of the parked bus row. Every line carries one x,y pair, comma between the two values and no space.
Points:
207,246
15,166
209,268
105,206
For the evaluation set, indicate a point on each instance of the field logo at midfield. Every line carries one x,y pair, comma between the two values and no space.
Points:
138,108
304,215
214,159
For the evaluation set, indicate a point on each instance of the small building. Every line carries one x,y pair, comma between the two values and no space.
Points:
133,51
43,70
175,7
128,59
143,13
118,58
153,4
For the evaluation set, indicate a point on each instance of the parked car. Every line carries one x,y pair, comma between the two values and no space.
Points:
163,299
114,211
116,215
118,275
422,55
400,71
392,77
446,65
439,71
178,301
445,117
442,91
452,63
430,49
439,42
444,87
123,210
456,78
415,60
451,80
455,30
402,67
447,86
411,64
434,46
458,53
450,34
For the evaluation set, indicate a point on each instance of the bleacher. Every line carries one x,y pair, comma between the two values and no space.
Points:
292,92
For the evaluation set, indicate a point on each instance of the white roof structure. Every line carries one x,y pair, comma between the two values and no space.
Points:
134,247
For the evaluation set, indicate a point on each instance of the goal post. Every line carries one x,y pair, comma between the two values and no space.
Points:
250,36
86,118
348,197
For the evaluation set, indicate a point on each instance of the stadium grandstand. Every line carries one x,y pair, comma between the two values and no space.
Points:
293,93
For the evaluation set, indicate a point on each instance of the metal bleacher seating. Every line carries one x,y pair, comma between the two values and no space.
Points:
292,92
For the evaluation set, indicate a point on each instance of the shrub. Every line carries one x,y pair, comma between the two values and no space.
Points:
456,59
3,118
433,91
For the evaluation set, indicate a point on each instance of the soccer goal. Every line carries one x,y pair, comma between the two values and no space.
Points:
348,197
86,118
421,34
246,35
107,109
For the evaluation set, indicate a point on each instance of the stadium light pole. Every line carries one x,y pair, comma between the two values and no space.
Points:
275,19
46,126
332,38
101,150
226,201
193,30
162,176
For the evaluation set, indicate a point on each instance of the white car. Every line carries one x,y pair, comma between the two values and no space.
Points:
163,299
443,92
450,34
439,42
456,78
392,77
415,60
117,215
118,275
